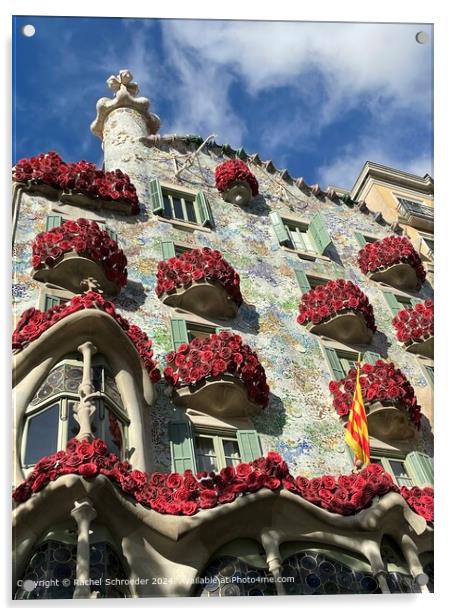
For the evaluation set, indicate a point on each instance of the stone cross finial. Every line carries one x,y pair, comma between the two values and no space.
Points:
141,123
123,81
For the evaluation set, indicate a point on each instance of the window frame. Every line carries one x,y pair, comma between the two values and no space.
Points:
385,462
63,399
170,190
169,194
310,252
217,437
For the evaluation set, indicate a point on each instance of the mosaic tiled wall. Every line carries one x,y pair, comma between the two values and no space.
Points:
300,421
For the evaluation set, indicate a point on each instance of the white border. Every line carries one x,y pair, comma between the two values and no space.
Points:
415,11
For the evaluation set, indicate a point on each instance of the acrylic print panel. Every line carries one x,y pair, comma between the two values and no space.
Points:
216,224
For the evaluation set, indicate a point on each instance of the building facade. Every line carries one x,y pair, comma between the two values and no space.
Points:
248,284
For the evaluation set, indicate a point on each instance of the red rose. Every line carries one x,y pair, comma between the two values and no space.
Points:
243,470
174,480
40,481
189,507
88,470
207,499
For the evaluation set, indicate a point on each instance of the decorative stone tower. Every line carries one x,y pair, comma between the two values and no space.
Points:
121,122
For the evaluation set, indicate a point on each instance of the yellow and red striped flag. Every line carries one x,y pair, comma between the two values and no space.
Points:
356,434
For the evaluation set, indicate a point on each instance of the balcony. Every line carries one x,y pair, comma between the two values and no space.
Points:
236,183
338,310
78,251
218,375
79,183
415,214
415,328
394,261
391,406
200,281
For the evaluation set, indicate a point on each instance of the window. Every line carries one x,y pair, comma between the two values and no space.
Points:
170,249
396,468
215,452
415,213
341,361
309,281
210,449
50,422
53,300
176,205
398,301
185,331
365,239
414,469
55,557
308,239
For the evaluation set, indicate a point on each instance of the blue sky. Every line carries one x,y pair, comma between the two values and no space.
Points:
317,98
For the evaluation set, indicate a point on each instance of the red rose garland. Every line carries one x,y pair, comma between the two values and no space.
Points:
414,324
379,382
194,266
86,238
186,494
387,252
35,322
235,171
222,353
81,177
333,298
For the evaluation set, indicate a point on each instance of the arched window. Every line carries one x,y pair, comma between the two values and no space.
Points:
400,579
51,571
49,420
239,568
322,570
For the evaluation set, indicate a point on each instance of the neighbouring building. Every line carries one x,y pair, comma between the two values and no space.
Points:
179,423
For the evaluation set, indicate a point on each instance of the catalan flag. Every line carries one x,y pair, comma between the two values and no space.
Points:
356,434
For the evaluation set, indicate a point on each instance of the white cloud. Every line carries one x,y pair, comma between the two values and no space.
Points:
344,169
375,63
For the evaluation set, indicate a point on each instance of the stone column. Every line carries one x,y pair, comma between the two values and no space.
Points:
85,408
121,122
83,513
270,543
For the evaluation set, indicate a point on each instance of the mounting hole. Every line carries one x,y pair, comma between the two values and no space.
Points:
421,38
28,30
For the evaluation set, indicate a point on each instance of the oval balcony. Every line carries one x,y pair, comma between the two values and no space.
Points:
415,328
390,402
236,182
394,261
218,375
338,310
80,183
76,251
200,281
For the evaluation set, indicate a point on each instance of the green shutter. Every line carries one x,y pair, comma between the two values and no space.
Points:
420,468
181,446
370,357
360,238
179,332
334,363
53,221
223,329
279,228
302,280
202,206
318,234
392,302
156,197
168,249
249,445
51,301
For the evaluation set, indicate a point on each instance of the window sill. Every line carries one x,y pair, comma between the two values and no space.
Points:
184,226
308,256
